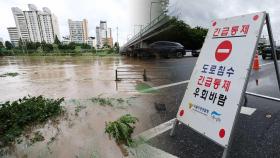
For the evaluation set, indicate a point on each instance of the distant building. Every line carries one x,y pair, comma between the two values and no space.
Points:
78,31
92,42
98,37
103,35
21,24
1,40
49,24
14,35
35,25
65,40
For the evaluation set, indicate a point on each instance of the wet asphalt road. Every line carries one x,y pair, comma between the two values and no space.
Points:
256,135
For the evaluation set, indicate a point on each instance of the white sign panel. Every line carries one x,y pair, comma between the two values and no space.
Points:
217,82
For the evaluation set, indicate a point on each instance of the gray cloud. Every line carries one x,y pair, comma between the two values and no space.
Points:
201,12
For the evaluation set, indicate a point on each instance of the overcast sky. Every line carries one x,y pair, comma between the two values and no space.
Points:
124,14
201,12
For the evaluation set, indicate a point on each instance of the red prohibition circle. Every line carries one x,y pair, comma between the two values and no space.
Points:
181,113
222,133
223,51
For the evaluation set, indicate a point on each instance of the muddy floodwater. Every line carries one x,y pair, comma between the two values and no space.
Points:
69,77
78,79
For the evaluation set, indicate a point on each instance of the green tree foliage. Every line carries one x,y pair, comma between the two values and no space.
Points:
191,38
122,129
1,45
32,45
9,45
20,43
85,46
71,45
106,45
56,40
16,116
46,47
117,47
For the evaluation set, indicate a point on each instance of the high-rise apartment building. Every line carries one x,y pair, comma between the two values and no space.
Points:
103,35
78,31
32,21
35,25
21,23
14,35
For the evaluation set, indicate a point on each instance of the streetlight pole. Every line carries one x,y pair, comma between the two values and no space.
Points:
117,34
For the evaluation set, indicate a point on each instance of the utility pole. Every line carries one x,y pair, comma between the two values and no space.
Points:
117,34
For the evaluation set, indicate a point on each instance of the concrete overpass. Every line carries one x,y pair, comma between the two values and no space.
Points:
141,39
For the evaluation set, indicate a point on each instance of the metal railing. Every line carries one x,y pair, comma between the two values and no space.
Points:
147,27
130,75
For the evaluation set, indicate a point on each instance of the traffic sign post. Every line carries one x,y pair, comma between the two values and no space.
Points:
215,93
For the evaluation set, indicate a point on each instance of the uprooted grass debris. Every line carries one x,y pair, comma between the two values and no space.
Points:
106,101
12,74
37,137
122,129
17,116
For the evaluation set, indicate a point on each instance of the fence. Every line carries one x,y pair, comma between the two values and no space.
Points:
133,74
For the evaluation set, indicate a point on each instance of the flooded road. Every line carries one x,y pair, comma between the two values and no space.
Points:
69,77
78,79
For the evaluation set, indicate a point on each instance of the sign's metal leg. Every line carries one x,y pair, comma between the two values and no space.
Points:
175,124
225,152
271,40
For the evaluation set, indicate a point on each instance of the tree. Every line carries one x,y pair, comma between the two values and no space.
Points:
117,47
106,45
56,40
179,31
1,45
85,46
71,45
46,47
9,45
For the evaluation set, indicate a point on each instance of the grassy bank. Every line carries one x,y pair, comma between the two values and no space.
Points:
61,53
17,116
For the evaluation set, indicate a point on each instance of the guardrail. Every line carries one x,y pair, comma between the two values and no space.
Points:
136,74
147,27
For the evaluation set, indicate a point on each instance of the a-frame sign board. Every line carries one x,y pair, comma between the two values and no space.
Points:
218,83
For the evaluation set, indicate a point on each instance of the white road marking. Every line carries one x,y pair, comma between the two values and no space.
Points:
165,86
153,132
148,151
247,110
150,133
144,150
268,63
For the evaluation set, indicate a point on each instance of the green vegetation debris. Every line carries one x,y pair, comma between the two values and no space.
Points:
37,137
102,101
122,129
109,101
16,116
78,109
12,74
